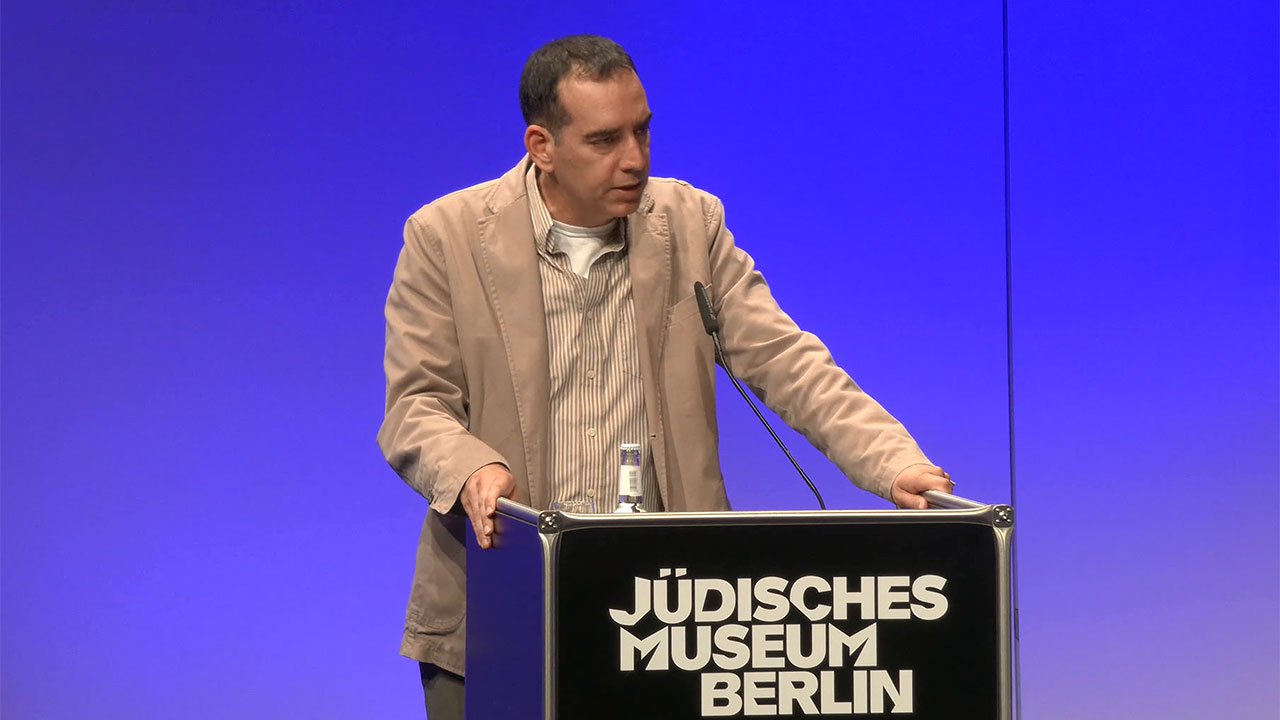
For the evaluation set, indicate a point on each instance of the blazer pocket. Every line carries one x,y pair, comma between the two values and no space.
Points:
437,603
686,308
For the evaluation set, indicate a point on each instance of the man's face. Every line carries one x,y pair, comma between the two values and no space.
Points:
600,159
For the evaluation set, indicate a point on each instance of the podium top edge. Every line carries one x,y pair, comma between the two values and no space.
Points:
956,510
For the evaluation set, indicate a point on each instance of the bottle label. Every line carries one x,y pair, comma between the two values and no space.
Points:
629,491
629,481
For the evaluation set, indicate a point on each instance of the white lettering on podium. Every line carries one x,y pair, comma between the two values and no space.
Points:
674,598
800,692
633,648
927,589
720,694
861,646
798,647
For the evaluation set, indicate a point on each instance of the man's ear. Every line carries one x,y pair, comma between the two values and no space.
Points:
540,146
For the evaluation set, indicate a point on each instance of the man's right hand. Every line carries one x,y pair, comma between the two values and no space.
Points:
480,495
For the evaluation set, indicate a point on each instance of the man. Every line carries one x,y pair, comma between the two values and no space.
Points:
538,320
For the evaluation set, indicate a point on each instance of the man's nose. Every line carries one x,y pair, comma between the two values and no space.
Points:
635,155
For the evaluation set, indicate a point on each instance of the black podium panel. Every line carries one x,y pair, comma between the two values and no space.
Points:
838,614
870,618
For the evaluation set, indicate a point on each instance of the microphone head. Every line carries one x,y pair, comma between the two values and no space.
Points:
709,321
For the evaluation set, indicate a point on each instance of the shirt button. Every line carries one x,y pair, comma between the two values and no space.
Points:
591,432
591,374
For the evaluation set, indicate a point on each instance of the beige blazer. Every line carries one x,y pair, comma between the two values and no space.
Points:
468,380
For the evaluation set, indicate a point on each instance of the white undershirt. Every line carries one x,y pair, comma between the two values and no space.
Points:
582,245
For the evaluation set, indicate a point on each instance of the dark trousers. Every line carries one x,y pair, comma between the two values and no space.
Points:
442,691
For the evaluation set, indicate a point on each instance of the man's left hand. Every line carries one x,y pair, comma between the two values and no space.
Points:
907,490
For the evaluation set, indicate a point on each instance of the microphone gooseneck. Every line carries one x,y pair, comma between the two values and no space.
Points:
712,325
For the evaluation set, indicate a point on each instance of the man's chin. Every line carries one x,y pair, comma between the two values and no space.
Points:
621,210
626,204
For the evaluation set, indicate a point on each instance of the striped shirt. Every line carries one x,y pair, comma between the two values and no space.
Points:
597,400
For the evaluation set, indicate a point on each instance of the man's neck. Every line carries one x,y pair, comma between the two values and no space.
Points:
558,206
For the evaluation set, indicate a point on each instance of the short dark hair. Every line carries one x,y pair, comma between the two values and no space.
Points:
592,56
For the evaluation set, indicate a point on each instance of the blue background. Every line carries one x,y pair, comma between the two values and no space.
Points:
201,206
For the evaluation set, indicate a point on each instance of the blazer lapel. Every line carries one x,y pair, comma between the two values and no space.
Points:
507,254
649,260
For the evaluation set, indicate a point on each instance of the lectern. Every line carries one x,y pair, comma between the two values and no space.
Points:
836,614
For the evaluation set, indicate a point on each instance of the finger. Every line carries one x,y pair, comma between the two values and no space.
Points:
482,530
904,498
490,505
469,496
472,505
917,484
488,533
929,481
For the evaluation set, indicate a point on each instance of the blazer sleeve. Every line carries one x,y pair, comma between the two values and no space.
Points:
424,434
793,372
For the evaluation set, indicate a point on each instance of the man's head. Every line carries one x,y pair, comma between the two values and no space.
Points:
588,128
590,56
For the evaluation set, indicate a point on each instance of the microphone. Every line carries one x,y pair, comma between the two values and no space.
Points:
709,321
712,325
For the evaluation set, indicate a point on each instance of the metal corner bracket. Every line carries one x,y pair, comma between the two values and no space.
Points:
548,522
1003,515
